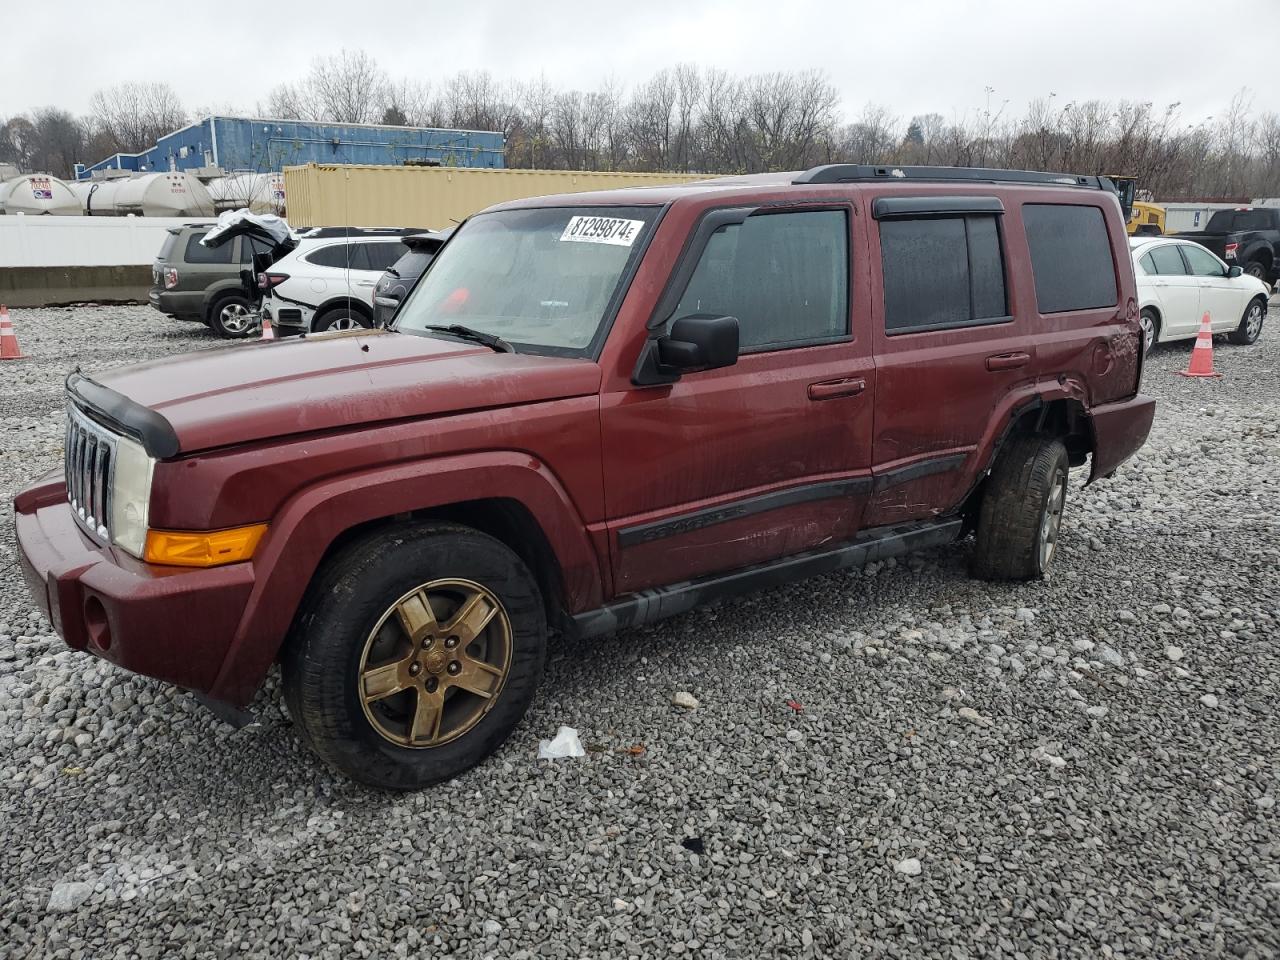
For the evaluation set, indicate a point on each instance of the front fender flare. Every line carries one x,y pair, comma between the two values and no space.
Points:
309,522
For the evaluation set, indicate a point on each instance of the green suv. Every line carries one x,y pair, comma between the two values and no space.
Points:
193,282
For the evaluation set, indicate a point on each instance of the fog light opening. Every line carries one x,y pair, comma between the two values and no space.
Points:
95,621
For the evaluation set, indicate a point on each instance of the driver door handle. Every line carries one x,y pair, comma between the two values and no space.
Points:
828,389
1008,361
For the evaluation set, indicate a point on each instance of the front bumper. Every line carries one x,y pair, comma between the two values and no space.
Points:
171,623
1119,431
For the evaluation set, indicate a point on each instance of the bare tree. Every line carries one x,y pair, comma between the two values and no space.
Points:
132,116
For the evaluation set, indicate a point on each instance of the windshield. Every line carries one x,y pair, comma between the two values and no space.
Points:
542,278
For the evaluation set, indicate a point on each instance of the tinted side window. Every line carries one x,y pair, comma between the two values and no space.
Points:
333,256
785,276
1202,263
199,253
1146,265
1070,257
1167,261
942,272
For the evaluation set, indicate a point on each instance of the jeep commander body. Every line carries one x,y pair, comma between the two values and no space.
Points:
594,411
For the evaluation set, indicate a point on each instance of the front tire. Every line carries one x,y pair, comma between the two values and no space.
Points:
415,655
1250,328
1021,515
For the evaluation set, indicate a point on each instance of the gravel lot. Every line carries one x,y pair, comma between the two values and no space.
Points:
1082,767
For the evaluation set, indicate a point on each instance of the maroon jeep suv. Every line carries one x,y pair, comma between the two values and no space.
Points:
594,411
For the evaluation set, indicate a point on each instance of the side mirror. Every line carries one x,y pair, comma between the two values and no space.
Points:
700,341
1235,271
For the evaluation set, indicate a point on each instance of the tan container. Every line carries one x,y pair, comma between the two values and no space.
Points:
318,195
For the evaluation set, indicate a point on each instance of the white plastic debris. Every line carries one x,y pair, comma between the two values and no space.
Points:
1044,756
909,867
974,717
564,744
66,897
685,699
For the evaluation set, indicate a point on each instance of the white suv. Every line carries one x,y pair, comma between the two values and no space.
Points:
327,282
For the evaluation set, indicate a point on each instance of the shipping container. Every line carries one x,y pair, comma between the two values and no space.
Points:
435,197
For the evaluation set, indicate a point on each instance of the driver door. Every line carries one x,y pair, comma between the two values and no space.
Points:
765,458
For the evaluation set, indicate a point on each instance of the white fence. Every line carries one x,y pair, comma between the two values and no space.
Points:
31,241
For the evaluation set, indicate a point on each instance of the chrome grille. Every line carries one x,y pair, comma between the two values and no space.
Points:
88,464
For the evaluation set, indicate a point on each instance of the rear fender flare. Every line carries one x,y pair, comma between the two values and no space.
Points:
310,521
1031,400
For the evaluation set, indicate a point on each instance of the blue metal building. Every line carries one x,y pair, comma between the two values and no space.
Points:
266,146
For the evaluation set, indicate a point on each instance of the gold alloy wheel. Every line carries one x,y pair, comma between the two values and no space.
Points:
434,663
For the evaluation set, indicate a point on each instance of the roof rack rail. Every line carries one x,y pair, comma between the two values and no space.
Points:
326,233
863,172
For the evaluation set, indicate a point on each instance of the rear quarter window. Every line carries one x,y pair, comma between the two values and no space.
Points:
198,253
1070,257
166,248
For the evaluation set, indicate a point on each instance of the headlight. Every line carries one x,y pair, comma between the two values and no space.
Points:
130,496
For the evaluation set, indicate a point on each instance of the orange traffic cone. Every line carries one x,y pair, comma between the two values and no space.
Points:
267,332
9,349
1201,364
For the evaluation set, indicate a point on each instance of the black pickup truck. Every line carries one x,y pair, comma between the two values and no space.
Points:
1246,236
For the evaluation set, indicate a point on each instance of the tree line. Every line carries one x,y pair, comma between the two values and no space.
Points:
687,119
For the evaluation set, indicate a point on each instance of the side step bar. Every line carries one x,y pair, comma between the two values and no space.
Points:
661,602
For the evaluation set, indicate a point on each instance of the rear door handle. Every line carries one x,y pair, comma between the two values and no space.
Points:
1008,361
827,389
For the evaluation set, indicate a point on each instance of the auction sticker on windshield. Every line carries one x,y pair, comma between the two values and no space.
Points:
619,232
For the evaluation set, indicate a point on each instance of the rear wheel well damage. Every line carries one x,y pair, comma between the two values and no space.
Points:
1063,419
506,520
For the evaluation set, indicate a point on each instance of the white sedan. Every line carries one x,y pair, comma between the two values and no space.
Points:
1179,281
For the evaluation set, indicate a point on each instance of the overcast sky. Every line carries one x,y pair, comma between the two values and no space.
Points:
913,56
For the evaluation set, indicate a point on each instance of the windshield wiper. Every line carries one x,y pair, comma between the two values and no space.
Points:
476,336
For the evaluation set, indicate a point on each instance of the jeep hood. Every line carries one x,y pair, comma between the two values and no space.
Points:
243,393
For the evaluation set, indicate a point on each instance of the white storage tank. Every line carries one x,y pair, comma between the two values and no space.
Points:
259,192
38,193
97,197
159,195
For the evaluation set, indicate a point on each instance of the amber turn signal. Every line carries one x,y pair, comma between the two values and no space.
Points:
178,548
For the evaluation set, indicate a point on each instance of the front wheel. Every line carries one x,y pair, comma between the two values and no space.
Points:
1250,325
415,655
1021,515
